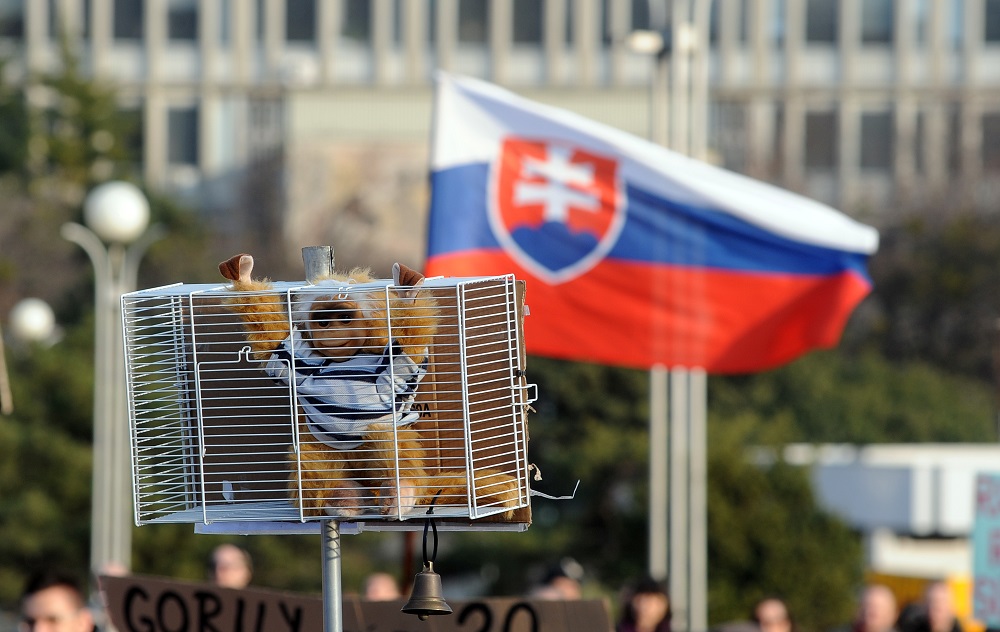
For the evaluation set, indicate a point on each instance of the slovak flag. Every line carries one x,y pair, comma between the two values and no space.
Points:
634,255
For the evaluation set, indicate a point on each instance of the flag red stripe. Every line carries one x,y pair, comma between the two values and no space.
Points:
724,321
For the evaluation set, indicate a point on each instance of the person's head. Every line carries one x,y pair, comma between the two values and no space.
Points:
230,567
53,602
648,606
940,606
381,587
771,615
877,611
561,582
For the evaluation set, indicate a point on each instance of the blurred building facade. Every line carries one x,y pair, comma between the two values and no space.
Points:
870,105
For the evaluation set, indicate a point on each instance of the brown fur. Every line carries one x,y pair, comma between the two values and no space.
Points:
366,476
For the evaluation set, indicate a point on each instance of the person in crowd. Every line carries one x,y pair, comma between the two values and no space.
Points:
936,613
54,602
561,582
381,587
877,610
771,615
230,567
646,608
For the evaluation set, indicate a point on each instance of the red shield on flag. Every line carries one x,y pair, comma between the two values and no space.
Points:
556,208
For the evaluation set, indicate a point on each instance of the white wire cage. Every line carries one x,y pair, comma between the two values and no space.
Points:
413,404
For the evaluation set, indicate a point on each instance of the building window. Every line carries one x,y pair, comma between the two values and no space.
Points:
921,11
778,20
182,20
876,21
128,19
991,142
12,19
473,21
992,21
822,21
640,15
528,21
300,20
876,141
742,11
57,21
397,21
182,130
225,15
821,140
919,142
957,17
954,138
569,29
357,21
132,133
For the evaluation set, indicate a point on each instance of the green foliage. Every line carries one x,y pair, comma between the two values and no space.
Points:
79,136
765,531
15,130
808,401
935,298
766,537
45,462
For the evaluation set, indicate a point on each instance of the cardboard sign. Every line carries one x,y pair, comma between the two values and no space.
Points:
150,604
986,551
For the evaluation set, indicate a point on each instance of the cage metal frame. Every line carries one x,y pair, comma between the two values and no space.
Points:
186,488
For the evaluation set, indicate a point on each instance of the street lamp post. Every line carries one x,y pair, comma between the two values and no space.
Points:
115,238
31,322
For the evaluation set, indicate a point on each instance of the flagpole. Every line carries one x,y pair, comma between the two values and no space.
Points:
659,429
659,473
678,548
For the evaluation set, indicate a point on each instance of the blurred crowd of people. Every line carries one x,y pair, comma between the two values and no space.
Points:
57,602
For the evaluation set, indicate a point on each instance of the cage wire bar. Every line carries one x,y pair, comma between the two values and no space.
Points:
219,441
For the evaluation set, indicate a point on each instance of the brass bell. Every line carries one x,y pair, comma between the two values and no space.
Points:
425,598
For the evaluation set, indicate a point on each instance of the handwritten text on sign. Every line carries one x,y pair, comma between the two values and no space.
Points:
147,604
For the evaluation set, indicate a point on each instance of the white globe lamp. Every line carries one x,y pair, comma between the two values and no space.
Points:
116,211
32,320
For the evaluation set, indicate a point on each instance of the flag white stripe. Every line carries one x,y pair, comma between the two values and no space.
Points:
472,118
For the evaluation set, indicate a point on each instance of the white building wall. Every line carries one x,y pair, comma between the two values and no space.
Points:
581,55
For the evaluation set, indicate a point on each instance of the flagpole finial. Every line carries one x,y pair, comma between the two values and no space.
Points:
318,262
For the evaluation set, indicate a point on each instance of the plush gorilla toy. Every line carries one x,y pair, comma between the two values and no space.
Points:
353,384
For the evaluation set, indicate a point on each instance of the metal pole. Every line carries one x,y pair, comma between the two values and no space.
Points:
659,432
115,270
6,399
679,499
659,473
92,245
125,271
680,59
318,262
333,616
119,523
698,507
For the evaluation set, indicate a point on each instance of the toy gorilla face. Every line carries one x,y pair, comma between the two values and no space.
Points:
339,328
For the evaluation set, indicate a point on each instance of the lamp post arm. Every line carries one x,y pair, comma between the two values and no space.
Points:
134,254
6,399
91,244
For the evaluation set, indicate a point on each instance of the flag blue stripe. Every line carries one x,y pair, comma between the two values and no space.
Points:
656,231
